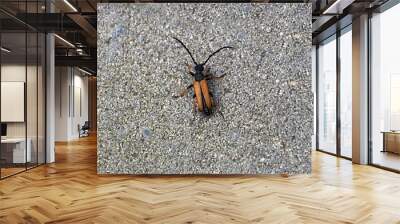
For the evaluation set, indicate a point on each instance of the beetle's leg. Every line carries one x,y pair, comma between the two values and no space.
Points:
207,70
190,69
185,91
212,99
207,73
194,105
221,76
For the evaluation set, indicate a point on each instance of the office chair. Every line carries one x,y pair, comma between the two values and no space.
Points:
84,130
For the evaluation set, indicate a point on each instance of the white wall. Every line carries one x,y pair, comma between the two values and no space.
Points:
9,73
70,83
62,81
80,88
13,72
17,73
13,101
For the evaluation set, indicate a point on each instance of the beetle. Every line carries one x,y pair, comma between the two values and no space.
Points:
202,94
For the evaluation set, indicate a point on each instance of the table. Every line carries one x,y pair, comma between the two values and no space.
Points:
391,141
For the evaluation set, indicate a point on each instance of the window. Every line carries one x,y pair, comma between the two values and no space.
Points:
22,101
346,92
385,89
327,95
334,106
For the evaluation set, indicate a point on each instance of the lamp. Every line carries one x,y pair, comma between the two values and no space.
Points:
337,7
64,40
70,5
5,50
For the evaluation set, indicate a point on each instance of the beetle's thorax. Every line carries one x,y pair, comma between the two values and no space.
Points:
198,75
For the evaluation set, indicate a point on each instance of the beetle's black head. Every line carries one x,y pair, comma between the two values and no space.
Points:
199,68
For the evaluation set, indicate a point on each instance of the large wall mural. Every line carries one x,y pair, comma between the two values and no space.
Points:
204,89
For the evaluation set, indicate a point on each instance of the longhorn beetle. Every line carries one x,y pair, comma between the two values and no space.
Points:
202,94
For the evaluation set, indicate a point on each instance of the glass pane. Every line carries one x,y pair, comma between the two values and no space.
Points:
41,99
327,96
386,89
13,89
346,93
31,100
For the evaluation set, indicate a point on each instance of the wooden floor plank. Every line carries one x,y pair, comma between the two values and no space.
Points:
70,191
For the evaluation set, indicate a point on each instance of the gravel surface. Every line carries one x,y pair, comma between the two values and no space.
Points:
263,124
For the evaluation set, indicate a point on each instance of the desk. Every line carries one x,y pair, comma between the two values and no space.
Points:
16,148
391,141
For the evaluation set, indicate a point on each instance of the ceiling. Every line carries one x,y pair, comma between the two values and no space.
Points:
332,15
75,23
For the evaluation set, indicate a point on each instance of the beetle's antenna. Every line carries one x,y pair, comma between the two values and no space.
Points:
215,53
186,49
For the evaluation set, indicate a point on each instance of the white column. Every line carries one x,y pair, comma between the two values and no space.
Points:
50,100
360,90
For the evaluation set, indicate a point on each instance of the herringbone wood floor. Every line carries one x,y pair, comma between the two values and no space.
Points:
69,191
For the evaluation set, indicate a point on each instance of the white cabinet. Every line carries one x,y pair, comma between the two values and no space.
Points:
18,149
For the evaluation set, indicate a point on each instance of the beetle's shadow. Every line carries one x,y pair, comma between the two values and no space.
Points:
215,88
